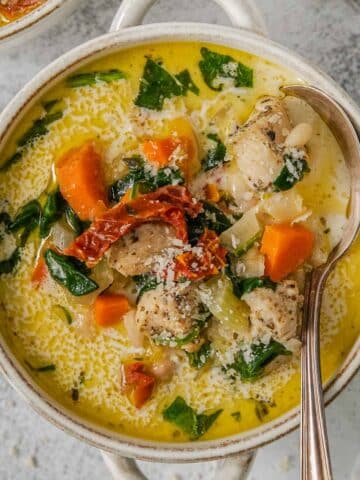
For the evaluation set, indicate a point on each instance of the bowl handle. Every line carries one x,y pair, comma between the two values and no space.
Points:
242,13
235,468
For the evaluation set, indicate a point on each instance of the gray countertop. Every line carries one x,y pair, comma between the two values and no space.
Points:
325,31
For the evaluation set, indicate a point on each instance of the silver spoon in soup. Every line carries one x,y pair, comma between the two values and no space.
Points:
315,458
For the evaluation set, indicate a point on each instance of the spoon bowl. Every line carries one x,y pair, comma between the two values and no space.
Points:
315,458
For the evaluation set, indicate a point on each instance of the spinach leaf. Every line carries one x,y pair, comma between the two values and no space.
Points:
260,356
187,83
212,218
69,273
5,219
215,67
45,368
215,156
74,222
11,161
29,214
145,283
242,249
165,176
243,285
199,359
292,172
8,265
49,105
236,416
261,410
53,209
36,131
140,175
91,78
156,84
39,128
185,417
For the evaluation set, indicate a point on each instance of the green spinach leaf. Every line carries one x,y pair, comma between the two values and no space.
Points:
145,283
38,129
216,156
156,85
187,83
215,67
8,265
243,285
212,218
29,214
44,368
186,418
140,175
260,356
5,219
74,222
91,78
53,209
292,172
69,273
199,359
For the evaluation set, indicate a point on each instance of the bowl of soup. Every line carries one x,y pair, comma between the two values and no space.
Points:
161,204
21,18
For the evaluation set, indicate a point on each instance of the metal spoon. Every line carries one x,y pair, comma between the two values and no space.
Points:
314,453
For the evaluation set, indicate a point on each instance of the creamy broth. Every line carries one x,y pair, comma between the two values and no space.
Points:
88,358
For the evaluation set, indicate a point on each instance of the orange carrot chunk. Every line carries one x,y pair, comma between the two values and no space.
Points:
39,273
110,308
285,248
212,192
138,384
81,181
159,150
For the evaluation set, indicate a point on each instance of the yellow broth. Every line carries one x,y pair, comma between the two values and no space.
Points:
39,335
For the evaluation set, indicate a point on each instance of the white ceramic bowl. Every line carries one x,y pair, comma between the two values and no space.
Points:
41,17
245,15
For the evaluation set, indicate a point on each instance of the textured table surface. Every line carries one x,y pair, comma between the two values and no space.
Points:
325,31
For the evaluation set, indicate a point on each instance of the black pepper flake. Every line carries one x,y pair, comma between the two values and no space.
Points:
75,394
271,134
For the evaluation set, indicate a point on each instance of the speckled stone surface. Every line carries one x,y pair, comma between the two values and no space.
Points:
325,31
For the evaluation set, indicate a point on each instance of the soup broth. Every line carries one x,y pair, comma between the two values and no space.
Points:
53,333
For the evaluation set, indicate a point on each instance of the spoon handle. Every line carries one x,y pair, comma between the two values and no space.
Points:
315,459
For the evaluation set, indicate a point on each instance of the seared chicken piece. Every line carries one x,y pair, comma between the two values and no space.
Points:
135,253
168,313
275,312
258,146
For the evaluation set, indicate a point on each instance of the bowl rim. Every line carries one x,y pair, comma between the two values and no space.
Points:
42,402
27,21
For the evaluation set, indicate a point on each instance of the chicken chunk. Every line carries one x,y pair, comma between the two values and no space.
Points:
275,312
258,146
168,313
135,253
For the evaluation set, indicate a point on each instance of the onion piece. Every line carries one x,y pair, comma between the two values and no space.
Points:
136,338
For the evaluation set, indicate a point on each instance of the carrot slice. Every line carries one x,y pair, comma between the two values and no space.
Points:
110,308
179,134
285,248
81,181
139,384
158,151
39,273
212,192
